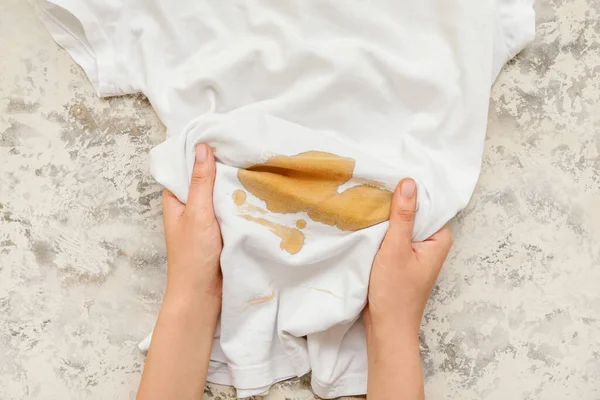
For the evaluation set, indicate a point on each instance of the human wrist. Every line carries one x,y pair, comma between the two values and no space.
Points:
192,299
387,341
383,325
194,280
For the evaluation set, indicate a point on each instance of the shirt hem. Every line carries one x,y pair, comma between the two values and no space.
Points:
348,385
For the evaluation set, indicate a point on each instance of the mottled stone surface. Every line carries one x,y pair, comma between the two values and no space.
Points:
516,312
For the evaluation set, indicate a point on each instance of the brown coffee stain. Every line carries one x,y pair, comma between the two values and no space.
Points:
301,224
239,197
326,291
263,299
308,182
292,240
252,207
370,182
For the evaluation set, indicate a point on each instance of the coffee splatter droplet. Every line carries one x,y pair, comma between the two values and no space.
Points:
301,224
263,299
239,197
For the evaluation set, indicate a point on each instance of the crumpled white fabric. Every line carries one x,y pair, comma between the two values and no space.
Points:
402,87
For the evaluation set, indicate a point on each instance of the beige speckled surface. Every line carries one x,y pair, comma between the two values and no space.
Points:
516,313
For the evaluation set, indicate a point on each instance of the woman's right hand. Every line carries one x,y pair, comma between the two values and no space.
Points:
402,278
404,272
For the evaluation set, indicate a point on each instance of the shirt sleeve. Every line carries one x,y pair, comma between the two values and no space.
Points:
96,35
515,30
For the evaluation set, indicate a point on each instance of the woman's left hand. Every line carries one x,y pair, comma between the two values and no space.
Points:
192,234
179,354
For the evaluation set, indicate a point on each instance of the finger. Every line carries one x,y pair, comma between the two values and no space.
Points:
172,208
402,217
200,197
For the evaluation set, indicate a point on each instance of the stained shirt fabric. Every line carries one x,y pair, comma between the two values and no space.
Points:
315,109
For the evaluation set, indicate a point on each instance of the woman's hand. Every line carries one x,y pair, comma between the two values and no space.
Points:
402,278
404,272
179,354
192,234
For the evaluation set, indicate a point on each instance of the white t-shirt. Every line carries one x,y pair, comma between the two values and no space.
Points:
350,94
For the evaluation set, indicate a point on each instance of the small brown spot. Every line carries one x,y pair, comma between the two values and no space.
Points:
263,299
326,291
301,224
239,197
84,116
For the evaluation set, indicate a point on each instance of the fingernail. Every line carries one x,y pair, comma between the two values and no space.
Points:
201,152
408,188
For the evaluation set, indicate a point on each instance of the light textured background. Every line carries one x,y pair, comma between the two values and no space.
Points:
516,312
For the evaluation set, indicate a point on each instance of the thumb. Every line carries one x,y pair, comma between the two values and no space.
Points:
200,197
402,217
